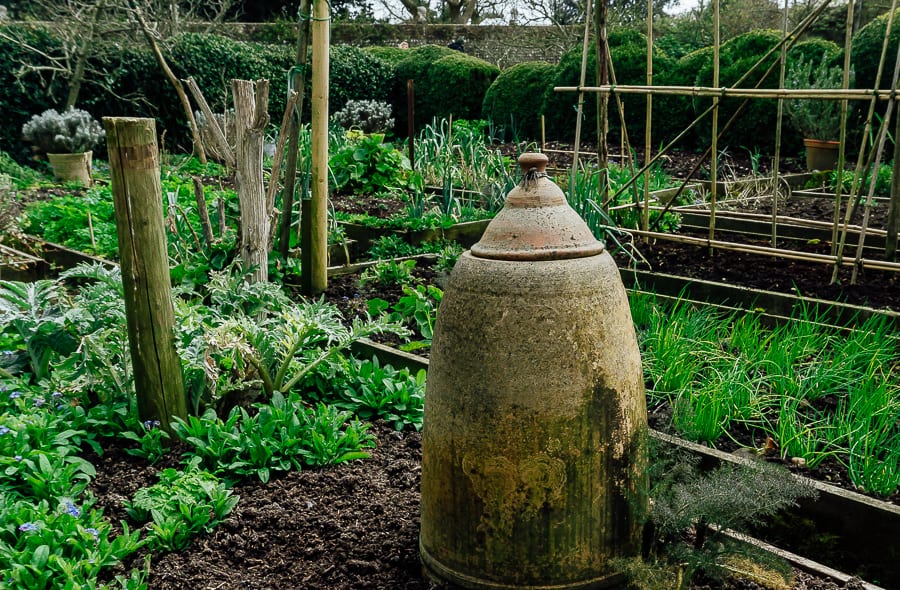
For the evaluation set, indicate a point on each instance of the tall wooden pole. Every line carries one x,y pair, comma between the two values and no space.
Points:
137,197
314,221
298,83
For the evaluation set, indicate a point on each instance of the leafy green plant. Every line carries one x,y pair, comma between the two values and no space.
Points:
20,177
882,180
388,272
367,165
373,391
447,257
150,440
43,542
417,307
280,436
181,505
64,220
35,312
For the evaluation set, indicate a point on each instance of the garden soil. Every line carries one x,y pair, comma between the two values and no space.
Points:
354,526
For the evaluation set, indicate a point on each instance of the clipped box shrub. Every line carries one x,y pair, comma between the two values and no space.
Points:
414,67
628,50
513,102
455,85
391,55
755,126
865,51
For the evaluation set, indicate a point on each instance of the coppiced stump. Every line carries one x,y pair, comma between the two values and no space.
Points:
251,102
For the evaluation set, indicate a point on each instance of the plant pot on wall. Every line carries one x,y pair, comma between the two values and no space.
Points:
72,167
821,154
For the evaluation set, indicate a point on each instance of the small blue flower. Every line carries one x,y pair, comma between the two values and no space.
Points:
94,532
72,510
15,395
56,395
18,458
4,430
61,406
39,401
28,527
151,424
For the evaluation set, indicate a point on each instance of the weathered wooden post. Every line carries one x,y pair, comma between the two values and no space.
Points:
137,195
251,103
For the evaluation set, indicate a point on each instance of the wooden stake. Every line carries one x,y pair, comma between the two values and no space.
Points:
200,198
314,220
298,82
411,121
137,197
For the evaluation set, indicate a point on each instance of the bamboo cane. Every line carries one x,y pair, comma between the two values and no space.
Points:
882,135
648,145
714,146
845,84
732,92
581,81
792,38
857,176
778,122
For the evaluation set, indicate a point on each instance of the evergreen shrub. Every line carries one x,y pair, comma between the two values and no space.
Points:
513,102
455,85
865,51
357,75
414,67
628,51
34,92
754,127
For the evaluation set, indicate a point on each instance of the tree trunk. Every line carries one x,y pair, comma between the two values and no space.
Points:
251,101
81,56
137,196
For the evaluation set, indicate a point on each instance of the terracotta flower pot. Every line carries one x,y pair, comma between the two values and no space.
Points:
821,154
72,167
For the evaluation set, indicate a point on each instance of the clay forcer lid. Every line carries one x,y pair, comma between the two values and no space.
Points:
536,222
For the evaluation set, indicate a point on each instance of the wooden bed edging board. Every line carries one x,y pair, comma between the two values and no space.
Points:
777,305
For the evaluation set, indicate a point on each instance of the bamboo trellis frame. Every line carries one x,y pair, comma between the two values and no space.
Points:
844,94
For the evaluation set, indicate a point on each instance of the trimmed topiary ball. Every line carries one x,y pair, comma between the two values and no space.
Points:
514,100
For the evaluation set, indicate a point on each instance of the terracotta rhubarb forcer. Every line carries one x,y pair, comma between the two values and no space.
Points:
536,223
533,459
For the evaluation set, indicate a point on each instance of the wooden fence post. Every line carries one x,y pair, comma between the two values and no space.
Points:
137,195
